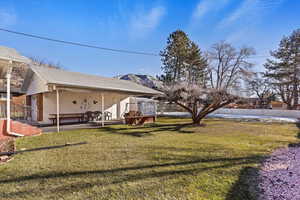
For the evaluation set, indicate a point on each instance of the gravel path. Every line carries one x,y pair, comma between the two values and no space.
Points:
280,175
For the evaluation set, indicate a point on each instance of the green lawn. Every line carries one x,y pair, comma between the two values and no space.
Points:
161,161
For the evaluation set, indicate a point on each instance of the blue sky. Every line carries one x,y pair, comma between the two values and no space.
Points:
141,26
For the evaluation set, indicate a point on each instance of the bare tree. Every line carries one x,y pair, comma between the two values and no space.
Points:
227,67
45,63
198,101
262,88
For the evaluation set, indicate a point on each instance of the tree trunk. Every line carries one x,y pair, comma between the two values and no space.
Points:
295,96
289,107
197,117
194,118
197,121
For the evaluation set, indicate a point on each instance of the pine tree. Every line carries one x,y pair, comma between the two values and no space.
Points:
196,68
182,60
284,69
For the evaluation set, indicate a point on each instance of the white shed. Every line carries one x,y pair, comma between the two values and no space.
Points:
52,93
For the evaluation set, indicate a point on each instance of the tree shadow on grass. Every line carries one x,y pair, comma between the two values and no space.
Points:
246,187
88,179
231,162
42,148
141,131
298,136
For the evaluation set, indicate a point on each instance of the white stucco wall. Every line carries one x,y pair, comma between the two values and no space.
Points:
85,101
36,85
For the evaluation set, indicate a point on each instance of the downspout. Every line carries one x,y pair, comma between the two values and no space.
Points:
8,120
102,109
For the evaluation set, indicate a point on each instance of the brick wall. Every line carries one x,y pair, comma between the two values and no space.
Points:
18,127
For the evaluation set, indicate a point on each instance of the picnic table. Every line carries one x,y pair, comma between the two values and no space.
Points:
67,116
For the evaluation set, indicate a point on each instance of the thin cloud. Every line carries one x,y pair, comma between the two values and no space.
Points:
238,35
206,6
144,23
249,11
244,19
7,18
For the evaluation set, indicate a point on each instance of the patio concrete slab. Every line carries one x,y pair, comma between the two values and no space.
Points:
66,127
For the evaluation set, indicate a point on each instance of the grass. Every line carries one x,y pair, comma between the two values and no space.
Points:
163,161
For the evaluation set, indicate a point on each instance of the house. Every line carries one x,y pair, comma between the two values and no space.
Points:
53,93
9,59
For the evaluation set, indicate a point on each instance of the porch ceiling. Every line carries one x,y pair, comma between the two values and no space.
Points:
89,90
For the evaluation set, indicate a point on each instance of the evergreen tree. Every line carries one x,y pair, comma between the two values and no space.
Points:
284,69
196,66
182,60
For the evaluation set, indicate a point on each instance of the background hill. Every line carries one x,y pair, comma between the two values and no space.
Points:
145,80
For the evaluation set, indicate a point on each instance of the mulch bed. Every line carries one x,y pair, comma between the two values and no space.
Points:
6,145
280,175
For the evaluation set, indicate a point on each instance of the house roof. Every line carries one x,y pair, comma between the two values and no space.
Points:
7,53
79,80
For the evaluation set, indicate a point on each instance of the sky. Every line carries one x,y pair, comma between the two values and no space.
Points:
141,25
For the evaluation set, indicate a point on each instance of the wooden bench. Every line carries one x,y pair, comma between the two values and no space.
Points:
67,116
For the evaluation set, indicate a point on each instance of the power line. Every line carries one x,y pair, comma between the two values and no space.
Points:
93,46
78,44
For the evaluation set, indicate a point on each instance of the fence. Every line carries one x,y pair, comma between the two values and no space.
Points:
18,112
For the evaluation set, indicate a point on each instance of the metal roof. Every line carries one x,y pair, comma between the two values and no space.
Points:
79,80
12,54
9,54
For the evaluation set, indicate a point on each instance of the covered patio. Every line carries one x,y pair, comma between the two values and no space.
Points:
58,97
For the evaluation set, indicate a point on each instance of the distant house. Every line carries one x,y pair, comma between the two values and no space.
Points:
53,93
11,58
278,105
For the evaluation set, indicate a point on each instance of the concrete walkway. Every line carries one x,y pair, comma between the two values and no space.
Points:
66,127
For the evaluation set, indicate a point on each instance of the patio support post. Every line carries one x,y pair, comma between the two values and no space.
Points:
8,77
57,109
102,109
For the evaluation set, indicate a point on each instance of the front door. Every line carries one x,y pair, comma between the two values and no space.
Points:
40,107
